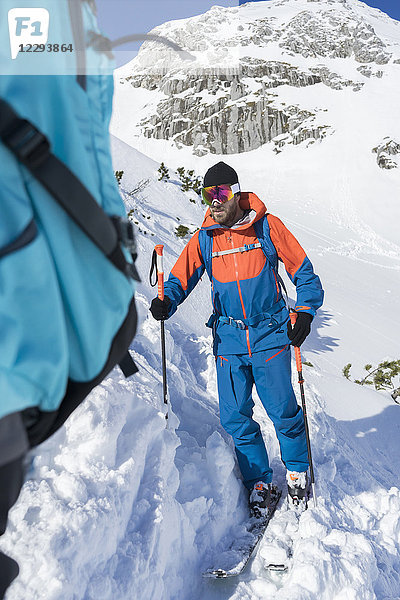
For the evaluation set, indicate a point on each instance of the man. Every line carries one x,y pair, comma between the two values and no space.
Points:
239,245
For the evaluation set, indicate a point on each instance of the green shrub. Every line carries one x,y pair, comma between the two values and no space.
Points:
118,176
189,180
163,173
181,231
346,370
381,377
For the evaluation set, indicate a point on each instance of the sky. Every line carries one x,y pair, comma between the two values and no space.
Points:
122,17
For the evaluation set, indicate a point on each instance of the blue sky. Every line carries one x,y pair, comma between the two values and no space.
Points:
121,17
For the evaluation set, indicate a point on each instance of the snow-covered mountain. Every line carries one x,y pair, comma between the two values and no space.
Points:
116,507
236,94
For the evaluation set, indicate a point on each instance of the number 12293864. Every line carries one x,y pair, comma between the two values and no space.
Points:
46,48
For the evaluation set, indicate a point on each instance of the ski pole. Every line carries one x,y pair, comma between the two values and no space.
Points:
160,279
299,366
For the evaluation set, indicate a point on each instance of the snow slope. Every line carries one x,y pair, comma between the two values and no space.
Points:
116,507
331,193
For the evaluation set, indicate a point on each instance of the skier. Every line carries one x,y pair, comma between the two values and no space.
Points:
239,245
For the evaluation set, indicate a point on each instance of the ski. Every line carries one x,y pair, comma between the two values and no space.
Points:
276,556
241,551
281,568
276,551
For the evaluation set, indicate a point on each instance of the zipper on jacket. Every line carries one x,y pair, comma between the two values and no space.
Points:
241,297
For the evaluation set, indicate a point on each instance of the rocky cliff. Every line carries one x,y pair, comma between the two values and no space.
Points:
232,97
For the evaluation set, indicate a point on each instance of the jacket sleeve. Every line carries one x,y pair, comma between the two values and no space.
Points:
298,266
185,274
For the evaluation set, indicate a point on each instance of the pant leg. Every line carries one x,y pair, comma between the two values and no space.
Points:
11,480
272,375
13,447
235,382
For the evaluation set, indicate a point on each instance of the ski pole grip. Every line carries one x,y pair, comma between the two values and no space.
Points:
293,318
160,270
299,366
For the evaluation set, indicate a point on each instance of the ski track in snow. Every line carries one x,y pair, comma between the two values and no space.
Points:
369,243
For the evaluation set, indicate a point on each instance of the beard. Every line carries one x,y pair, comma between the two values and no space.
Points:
226,214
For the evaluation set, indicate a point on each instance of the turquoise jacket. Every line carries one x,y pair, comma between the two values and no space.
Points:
61,301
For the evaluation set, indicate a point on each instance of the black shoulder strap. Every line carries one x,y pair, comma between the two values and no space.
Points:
259,228
206,244
32,149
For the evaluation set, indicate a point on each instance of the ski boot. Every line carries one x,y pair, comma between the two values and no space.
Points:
263,499
260,499
298,488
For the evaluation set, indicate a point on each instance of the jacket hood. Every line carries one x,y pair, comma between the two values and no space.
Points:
248,201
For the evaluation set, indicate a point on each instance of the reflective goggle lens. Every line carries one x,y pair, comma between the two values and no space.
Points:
221,193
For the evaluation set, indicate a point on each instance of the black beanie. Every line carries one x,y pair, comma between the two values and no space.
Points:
219,174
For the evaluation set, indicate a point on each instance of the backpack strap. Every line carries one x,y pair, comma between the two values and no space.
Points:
242,249
25,238
251,321
206,244
262,230
31,147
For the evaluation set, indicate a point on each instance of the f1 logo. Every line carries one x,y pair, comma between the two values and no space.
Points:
27,25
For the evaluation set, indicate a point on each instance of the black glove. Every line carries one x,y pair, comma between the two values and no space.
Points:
160,308
302,328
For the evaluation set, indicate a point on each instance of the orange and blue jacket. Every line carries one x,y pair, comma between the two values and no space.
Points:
249,312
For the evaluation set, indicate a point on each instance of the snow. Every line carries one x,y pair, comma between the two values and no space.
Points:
117,506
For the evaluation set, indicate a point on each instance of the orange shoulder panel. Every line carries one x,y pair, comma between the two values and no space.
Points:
188,262
288,248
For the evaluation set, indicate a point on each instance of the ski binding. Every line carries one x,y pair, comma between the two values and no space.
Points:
242,550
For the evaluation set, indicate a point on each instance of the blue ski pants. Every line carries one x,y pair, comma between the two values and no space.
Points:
270,371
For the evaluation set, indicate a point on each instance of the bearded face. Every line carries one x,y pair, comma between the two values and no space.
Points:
227,213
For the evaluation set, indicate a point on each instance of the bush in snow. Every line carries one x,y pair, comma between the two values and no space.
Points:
189,180
346,370
381,377
163,172
181,231
118,176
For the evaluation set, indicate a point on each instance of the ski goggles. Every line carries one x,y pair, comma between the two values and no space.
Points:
220,193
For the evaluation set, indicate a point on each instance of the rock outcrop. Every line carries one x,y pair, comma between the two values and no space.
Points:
332,34
229,100
385,152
